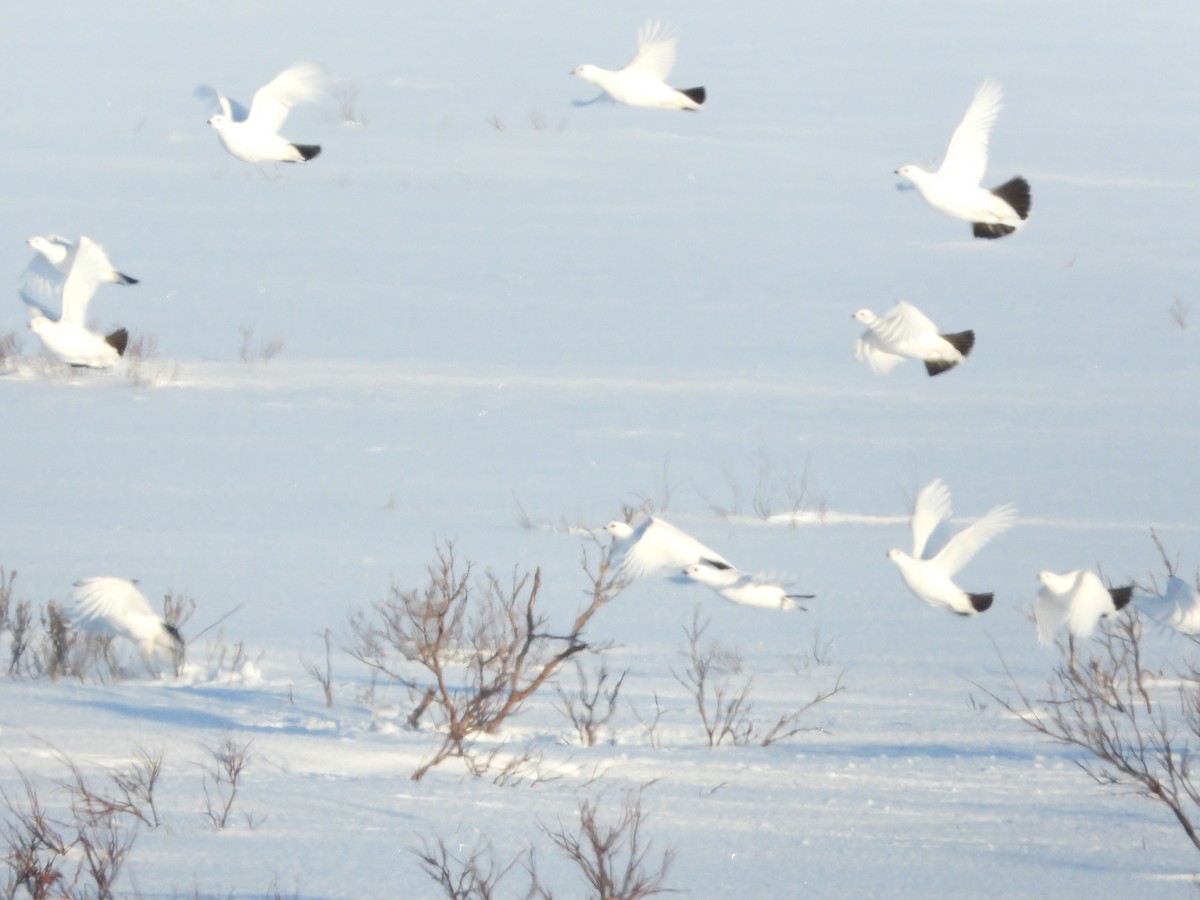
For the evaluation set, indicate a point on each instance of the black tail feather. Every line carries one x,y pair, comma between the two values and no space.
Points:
1015,192
938,366
308,151
962,341
118,340
122,278
696,94
987,230
981,602
1121,596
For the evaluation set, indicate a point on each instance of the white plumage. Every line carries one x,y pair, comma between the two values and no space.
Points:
1077,599
906,333
954,188
254,136
744,589
110,605
643,81
655,546
68,338
932,578
1178,607
42,280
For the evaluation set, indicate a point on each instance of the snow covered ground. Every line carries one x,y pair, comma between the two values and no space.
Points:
504,314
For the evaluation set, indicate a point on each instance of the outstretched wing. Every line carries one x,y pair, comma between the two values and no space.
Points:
966,157
871,350
302,83
218,102
1090,601
659,546
930,510
903,325
108,603
41,286
656,51
960,548
1049,612
87,265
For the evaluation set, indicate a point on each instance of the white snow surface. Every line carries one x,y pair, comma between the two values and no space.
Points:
571,309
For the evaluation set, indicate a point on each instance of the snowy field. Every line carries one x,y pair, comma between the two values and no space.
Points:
503,315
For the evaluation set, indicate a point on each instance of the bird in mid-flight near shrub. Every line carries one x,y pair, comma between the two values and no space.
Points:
744,589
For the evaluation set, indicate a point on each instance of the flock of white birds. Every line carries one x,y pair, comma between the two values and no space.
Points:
67,275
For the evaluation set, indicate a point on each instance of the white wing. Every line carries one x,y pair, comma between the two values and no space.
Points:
1088,603
960,548
904,324
301,83
658,545
218,102
41,286
86,265
1049,612
112,603
966,157
871,350
656,51
931,509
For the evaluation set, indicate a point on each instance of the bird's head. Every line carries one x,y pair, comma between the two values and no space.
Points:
619,530
863,315
218,120
587,72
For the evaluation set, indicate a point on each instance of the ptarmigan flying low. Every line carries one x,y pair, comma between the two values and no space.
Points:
744,589
1078,599
932,579
907,333
654,546
1178,607
643,81
254,136
110,605
68,337
955,190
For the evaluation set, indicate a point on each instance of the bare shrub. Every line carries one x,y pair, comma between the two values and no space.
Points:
58,643
471,652
10,347
615,860
20,630
323,676
263,352
723,701
227,763
477,875
77,857
593,703
1136,738
1179,311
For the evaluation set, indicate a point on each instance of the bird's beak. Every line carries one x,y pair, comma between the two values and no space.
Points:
895,171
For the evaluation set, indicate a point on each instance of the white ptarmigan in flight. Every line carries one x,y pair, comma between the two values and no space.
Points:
254,136
656,547
932,579
744,589
643,81
907,333
1178,607
954,188
68,338
1079,599
111,605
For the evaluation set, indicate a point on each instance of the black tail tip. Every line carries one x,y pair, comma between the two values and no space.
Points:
696,95
1015,192
1121,596
118,340
308,151
938,366
962,341
122,278
990,231
980,602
